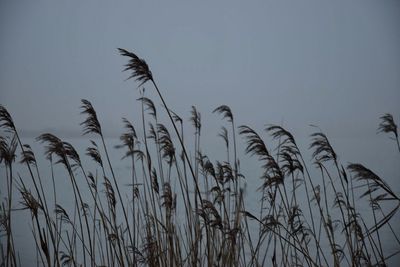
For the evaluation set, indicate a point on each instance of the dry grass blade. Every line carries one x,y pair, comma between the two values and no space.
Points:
384,220
362,173
251,216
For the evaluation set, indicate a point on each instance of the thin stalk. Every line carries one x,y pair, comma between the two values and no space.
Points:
180,140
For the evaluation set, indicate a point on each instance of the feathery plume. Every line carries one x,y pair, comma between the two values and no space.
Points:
139,68
196,119
224,135
166,144
27,155
388,125
6,120
94,153
323,149
225,111
7,151
91,124
149,106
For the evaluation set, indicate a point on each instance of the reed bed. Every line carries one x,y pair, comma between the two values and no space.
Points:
182,209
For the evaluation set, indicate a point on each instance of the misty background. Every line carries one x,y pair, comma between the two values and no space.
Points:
334,64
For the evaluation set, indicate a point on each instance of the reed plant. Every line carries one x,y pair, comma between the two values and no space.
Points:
182,209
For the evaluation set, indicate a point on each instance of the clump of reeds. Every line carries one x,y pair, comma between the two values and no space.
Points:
189,211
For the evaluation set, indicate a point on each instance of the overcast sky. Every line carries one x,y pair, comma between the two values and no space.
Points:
331,63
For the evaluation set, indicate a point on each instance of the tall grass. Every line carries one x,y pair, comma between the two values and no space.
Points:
182,209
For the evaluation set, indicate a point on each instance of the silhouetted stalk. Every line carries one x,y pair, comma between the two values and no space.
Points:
326,227
94,232
186,199
149,169
98,208
180,140
109,250
371,241
197,126
332,233
38,253
92,119
56,260
78,207
341,208
117,188
235,163
134,184
375,221
46,214
184,182
182,145
390,226
349,209
10,247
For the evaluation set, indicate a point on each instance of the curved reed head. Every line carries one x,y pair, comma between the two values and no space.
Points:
225,111
91,124
138,67
387,124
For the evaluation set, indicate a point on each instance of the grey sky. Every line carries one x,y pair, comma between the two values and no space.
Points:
331,63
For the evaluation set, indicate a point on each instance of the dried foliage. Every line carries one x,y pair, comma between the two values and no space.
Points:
197,210
138,67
